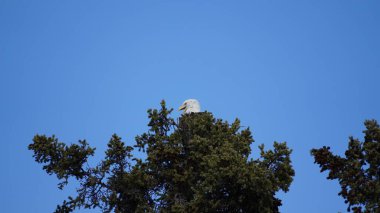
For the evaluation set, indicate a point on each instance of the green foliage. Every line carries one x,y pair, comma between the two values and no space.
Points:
197,164
63,160
358,172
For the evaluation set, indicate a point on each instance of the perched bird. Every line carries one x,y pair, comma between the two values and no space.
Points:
189,106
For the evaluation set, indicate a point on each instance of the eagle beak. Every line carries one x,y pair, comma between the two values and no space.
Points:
182,107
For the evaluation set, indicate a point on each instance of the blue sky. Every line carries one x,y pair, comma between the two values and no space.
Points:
305,72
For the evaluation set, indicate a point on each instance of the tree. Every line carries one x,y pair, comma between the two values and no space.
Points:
198,164
358,172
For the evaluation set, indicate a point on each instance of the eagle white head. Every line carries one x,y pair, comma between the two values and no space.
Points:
189,106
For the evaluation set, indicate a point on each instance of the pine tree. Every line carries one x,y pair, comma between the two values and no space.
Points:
358,172
197,164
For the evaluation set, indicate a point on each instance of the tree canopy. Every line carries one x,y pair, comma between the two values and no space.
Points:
195,164
358,172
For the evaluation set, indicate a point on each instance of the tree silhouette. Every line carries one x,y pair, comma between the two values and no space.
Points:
358,172
198,164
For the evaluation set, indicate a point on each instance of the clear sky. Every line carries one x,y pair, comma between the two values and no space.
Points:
305,72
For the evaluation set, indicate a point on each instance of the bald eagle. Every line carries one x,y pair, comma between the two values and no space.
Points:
189,106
